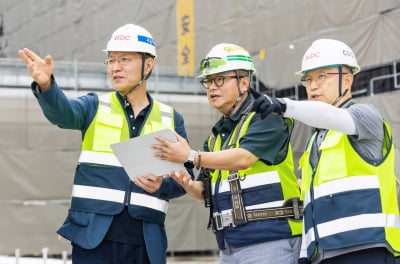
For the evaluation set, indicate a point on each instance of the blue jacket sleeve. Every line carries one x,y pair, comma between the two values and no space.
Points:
64,112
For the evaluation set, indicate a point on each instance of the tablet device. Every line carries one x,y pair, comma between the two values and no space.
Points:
137,156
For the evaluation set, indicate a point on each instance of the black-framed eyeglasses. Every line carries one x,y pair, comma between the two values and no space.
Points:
218,81
319,79
123,61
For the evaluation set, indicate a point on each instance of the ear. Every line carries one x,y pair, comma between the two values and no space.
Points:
347,81
148,65
244,84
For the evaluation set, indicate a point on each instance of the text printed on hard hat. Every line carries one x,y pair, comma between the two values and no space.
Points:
122,37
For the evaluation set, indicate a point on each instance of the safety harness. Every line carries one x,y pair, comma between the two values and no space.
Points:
292,208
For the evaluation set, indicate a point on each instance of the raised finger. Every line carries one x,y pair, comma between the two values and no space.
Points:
31,55
24,57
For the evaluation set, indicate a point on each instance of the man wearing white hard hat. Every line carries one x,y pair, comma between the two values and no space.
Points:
248,180
351,212
112,219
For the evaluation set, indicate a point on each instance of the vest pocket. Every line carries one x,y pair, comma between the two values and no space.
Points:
78,218
108,131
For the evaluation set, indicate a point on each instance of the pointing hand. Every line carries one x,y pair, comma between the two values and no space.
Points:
265,105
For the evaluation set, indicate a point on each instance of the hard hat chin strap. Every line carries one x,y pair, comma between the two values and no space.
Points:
340,87
142,75
239,97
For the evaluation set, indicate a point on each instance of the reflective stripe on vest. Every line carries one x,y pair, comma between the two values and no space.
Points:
111,195
98,193
99,158
352,223
257,179
149,201
166,115
343,185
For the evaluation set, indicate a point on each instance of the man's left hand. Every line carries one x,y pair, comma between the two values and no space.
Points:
265,105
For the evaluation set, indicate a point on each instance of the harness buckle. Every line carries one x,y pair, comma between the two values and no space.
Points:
233,177
222,220
297,206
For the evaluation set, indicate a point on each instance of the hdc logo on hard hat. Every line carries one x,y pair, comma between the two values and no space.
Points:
122,37
312,55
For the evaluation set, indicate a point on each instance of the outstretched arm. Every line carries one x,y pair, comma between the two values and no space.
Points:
321,115
312,113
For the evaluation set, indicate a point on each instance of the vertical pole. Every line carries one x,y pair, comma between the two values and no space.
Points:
76,82
44,254
64,256
17,255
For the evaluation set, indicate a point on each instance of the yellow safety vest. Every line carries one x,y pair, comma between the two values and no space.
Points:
348,200
263,186
93,191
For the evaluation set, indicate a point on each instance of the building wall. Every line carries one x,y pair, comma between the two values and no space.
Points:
79,29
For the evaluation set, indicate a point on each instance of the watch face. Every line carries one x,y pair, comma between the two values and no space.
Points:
189,164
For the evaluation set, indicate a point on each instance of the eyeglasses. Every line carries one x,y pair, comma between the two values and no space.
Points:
211,62
219,80
123,61
319,79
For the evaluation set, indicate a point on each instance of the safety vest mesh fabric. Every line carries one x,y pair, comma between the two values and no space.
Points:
349,201
101,185
263,186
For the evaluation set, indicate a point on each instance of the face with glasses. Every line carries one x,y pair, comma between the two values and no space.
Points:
124,69
322,84
218,80
223,89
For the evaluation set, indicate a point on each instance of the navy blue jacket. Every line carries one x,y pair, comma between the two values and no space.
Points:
87,229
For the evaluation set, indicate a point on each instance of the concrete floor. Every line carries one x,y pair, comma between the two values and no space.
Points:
193,260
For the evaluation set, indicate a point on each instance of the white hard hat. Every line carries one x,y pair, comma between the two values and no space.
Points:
226,57
132,38
328,53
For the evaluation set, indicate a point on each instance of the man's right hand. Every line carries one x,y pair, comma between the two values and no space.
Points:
192,188
40,70
182,177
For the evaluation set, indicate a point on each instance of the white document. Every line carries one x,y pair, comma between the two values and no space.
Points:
137,156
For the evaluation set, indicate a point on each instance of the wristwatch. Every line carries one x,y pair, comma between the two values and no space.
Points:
189,163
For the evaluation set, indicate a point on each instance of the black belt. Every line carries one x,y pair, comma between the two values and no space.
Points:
292,208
